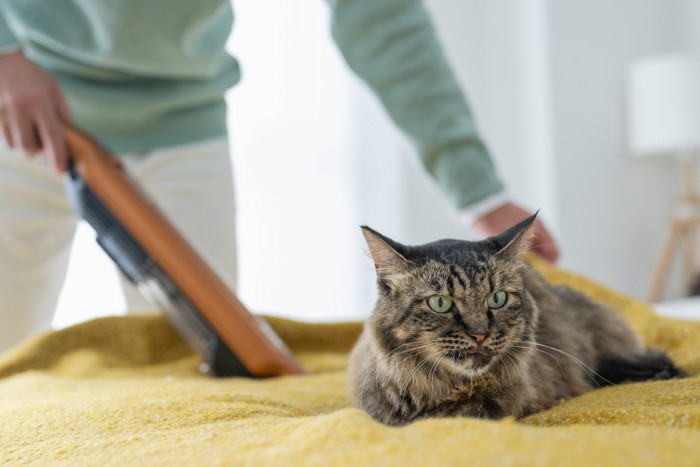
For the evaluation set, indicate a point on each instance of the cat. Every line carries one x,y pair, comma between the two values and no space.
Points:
470,329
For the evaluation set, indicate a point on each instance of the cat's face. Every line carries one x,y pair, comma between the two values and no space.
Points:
453,305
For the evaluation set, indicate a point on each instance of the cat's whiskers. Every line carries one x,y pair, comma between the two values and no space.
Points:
583,366
587,370
541,338
538,338
417,354
518,365
433,370
429,357
391,354
531,347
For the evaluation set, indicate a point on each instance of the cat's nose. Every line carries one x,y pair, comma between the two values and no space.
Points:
478,337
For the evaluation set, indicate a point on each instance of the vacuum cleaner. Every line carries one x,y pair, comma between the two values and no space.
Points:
158,260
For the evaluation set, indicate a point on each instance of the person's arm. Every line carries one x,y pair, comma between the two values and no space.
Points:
32,105
392,46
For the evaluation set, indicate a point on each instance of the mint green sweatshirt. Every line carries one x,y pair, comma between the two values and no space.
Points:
141,74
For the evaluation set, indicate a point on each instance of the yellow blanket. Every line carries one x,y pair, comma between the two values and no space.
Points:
126,391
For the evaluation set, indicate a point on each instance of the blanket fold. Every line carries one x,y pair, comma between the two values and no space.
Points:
126,390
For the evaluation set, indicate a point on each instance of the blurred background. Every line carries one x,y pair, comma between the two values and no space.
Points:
315,156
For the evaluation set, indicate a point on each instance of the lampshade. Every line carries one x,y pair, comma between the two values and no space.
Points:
663,105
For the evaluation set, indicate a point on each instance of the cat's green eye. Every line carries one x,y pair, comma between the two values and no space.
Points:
439,303
497,299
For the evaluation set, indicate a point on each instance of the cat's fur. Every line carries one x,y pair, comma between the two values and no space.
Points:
548,343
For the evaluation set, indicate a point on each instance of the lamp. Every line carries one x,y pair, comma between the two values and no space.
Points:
664,119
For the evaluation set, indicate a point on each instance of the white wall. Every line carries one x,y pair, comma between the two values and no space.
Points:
283,130
312,151
613,207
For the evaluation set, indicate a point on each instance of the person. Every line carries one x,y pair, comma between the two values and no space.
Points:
147,79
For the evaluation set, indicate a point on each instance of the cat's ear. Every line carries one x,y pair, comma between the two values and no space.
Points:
386,253
516,240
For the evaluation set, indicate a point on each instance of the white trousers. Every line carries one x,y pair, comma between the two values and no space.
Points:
191,184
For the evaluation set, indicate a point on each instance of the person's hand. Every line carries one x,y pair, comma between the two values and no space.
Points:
509,214
32,108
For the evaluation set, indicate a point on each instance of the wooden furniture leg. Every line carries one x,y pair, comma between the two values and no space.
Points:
682,234
664,264
690,266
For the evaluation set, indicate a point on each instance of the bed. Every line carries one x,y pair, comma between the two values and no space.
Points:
126,390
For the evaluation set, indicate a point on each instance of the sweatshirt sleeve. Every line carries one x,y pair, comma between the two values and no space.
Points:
8,41
392,46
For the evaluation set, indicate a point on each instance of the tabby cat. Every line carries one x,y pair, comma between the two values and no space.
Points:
469,329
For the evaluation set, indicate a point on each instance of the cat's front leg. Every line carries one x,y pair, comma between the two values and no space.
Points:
472,406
